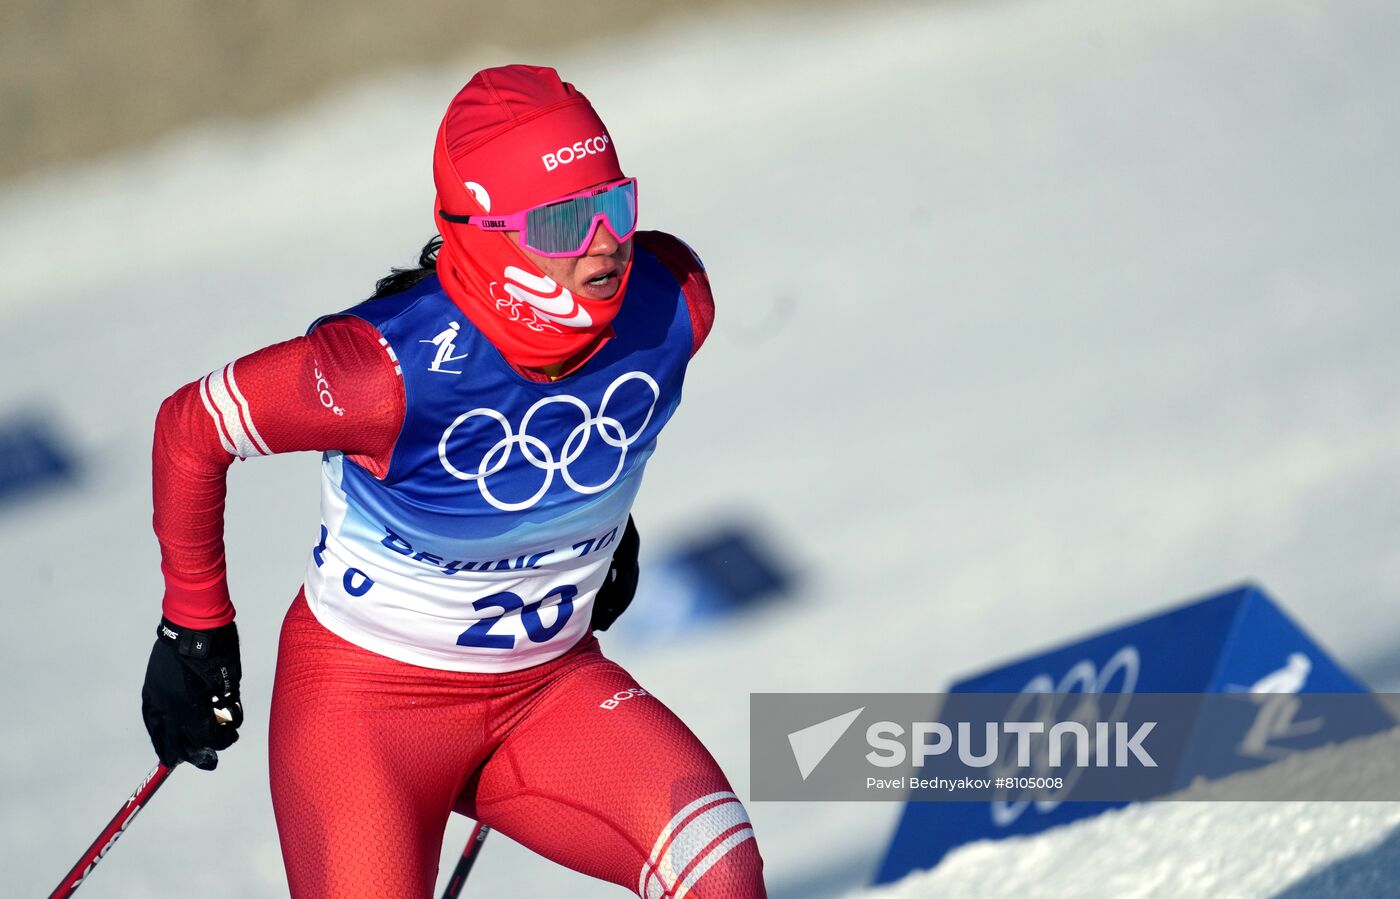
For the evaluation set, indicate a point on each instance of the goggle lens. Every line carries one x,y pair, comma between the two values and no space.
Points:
566,228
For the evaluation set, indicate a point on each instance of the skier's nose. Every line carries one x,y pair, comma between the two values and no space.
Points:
603,243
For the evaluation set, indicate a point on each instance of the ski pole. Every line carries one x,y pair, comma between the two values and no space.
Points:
114,829
464,864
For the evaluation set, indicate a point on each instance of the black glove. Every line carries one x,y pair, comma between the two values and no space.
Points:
190,699
616,593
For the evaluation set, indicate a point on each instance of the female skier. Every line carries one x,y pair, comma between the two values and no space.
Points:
486,419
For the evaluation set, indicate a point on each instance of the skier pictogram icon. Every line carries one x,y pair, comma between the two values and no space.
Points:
447,345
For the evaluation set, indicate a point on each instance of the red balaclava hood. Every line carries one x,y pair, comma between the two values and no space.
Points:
516,137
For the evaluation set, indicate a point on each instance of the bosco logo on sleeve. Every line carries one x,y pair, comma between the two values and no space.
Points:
622,696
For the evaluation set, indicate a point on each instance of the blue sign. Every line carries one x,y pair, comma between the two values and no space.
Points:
1238,641
31,457
727,569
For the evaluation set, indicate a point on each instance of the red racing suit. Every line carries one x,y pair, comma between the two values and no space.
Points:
370,754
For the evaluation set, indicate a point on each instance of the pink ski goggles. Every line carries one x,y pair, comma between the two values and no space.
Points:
565,227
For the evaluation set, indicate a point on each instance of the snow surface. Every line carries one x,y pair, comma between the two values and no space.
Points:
1210,846
1034,316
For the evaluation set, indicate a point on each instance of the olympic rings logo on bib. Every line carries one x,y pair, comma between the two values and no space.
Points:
537,452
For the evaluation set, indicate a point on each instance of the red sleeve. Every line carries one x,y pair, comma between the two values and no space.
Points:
685,265
335,389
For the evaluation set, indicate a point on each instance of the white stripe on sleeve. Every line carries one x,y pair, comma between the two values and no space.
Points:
247,412
230,410
214,414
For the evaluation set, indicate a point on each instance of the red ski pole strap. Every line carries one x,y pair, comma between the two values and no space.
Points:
114,829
